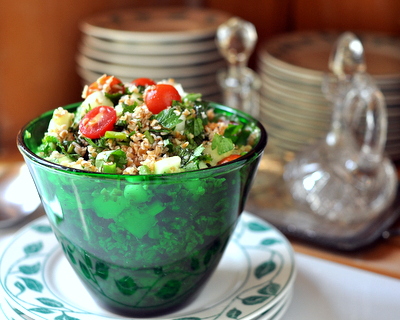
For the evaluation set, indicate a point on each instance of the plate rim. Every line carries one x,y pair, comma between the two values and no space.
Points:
163,49
88,27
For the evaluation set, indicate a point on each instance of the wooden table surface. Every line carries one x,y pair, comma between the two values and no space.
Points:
382,257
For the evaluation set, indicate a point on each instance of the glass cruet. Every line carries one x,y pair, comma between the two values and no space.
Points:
236,40
346,177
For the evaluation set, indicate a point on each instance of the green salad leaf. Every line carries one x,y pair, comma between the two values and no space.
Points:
129,108
117,157
51,143
168,118
222,144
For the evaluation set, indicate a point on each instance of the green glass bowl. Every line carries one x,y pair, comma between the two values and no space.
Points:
143,245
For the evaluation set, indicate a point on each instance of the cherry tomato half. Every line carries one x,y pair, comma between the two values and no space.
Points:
144,82
97,121
109,84
229,158
160,97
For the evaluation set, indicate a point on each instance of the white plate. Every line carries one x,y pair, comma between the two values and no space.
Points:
256,272
277,311
166,24
149,72
307,53
290,89
133,59
160,49
9,312
277,111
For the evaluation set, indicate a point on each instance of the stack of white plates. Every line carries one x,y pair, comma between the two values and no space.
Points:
292,67
254,279
157,43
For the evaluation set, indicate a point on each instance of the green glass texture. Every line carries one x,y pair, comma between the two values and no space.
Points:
143,245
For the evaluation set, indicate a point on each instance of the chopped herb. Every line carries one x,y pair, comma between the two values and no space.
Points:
194,157
168,118
129,108
201,112
121,124
90,142
141,89
116,156
114,97
222,144
49,144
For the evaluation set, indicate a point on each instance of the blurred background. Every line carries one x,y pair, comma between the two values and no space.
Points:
40,40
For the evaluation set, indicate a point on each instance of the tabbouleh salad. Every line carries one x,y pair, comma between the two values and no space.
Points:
143,127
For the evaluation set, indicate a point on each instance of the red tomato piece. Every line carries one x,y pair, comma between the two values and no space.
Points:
160,97
144,82
229,158
109,84
97,121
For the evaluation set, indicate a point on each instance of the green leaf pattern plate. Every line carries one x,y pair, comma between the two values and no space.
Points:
253,280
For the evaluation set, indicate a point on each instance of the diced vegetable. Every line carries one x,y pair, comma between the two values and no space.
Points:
96,99
214,154
168,165
61,118
117,157
98,121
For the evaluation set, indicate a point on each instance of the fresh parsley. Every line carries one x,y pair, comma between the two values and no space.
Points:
222,144
168,118
129,108
117,157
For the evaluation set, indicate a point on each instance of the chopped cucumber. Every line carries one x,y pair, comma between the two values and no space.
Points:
96,99
136,193
132,98
60,118
180,127
59,158
214,154
168,165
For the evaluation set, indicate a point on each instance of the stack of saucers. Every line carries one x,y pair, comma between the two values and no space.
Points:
254,279
157,43
292,67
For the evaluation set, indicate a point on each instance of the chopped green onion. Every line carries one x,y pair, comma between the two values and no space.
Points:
149,136
109,168
90,142
116,156
192,97
116,135
70,148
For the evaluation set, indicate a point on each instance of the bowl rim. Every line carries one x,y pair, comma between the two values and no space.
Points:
257,150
